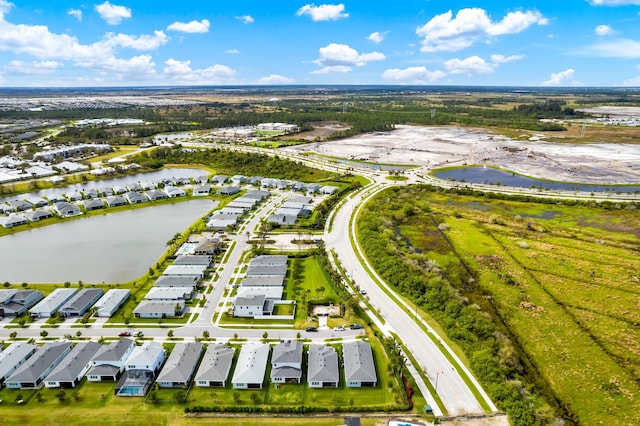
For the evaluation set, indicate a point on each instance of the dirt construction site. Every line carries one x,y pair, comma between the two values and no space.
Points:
436,147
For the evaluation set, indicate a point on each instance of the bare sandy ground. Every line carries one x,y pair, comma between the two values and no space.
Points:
435,147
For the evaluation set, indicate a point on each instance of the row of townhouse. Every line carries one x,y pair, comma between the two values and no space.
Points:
135,368
231,215
71,302
262,286
177,285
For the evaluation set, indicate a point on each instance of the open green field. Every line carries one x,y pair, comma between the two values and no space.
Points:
563,280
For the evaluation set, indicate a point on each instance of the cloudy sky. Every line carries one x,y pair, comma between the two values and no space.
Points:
222,42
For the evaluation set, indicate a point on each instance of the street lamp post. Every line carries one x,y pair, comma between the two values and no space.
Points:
437,376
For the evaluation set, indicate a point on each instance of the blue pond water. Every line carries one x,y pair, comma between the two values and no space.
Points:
493,176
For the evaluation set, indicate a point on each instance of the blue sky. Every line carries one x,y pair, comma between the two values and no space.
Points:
221,42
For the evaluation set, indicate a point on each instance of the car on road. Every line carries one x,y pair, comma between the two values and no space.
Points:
124,334
363,291
356,326
311,329
338,328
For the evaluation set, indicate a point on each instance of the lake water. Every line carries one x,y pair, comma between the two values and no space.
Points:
111,248
493,176
155,176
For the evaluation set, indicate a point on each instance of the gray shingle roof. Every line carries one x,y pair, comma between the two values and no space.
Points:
181,363
113,352
289,351
13,355
323,364
358,362
82,300
252,363
268,259
216,364
43,359
74,363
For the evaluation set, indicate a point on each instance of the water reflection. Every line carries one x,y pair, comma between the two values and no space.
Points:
493,176
111,248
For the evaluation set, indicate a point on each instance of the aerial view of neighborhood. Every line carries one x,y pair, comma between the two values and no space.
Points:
406,251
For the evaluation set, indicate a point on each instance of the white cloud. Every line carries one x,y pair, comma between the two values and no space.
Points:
603,30
614,2
415,75
199,27
246,19
563,78
469,66
632,82
143,42
232,51
622,48
275,79
446,33
33,68
5,6
135,68
324,12
340,58
76,13
182,72
377,37
333,69
501,59
112,13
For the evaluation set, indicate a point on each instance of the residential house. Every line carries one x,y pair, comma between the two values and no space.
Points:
359,368
155,195
37,367
312,188
222,223
263,281
177,281
228,190
181,181
193,260
328,189
159,309
251,366
48,306
215,366
188,270
255,180
236,211
38,215
136,197
269,293
286,362
135,187
19,205
201,190
149,356
93,204
209,246
91,193
37,202
174,192
282,219
17,302
257,194
269,260
108,362
201,179
73,367
238,179
13,357
14,220
65,209
118,190
80,303
116,200
170,293
180,366
267,270
219,179
254,305
111,301
322,370
74,196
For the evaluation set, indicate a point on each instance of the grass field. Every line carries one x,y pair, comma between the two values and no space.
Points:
564,279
